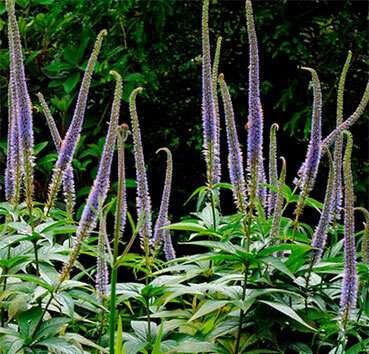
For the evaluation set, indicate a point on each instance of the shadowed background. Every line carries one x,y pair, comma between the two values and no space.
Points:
157,45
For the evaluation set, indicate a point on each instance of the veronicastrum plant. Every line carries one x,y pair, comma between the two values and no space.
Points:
250,277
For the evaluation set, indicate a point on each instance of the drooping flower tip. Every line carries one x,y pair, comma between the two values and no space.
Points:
162,219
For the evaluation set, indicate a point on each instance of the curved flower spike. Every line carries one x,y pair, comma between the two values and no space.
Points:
21,100
350,280
68,177
320,234
235,160
309,169
143,199
255,161
365,239
163,235
101,184
273,171
337,157
209,115
329,140
71,138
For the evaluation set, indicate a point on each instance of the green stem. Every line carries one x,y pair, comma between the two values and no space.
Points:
243,313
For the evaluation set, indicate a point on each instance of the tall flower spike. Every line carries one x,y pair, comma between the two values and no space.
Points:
209,115
102,272
235,160
121,208
309,168
68,177
365,239
255,163
214,79
326,143
337,157
277,212
349,281
162,235
320,234
22,101
101,184
143,199
273,171
71,139
13,171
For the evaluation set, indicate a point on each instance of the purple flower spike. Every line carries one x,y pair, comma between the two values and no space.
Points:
102,272
101,184
71,139
21,100
68,177
209,113
13,171
169,251
330,139
273,169
350,280
235,159
255,163
309,169
121,207
320,234
337,197
160,234
143,199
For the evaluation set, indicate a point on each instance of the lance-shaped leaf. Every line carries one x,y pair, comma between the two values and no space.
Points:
350,279
71,138
235,160
101,184
209,115
68,177
160,234
255,162
22,101
143,199
320,234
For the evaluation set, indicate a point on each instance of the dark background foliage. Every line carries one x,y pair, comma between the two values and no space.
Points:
157,44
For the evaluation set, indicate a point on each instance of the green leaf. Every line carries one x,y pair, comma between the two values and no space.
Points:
51,327
39,147
186,226
60,345
288,311
71,82
277,264
207,307
28,320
